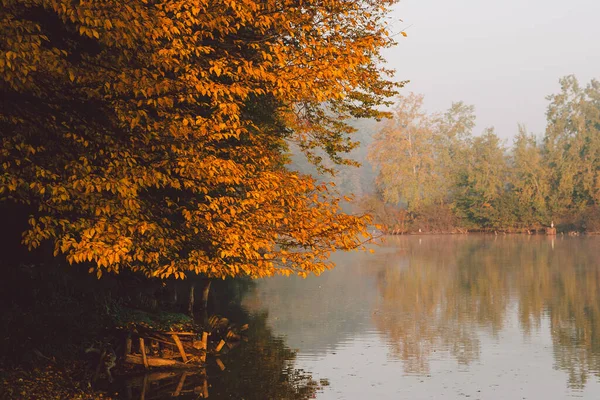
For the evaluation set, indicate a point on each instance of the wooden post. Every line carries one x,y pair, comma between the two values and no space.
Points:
144,385
143,351
180,385
205,392
180,347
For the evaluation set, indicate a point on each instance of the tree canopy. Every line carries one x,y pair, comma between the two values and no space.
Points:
431,164
151,135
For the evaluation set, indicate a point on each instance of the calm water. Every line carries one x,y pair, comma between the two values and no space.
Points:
429,317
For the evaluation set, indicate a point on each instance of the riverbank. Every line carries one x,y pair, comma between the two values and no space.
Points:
47,380
56,320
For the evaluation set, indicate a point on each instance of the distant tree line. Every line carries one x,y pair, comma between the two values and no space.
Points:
434,175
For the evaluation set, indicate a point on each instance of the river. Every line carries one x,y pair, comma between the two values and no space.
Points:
427,317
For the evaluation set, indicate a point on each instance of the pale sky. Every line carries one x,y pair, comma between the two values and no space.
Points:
503,57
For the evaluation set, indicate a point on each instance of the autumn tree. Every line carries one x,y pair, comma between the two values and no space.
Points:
404,154
572,145
452,141
151,135
418,156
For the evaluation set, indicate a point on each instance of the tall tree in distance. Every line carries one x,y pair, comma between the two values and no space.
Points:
452,141
403,151
529,180
151,136
482,183
572,145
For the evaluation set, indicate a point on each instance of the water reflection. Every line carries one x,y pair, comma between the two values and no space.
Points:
424,317
261,368
461,311
448,290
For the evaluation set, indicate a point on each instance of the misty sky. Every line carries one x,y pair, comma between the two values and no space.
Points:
504,57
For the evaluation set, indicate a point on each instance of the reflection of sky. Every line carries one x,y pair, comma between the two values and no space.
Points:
332,319
509,367
315,313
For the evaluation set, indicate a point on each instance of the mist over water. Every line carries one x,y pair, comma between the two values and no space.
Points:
488,317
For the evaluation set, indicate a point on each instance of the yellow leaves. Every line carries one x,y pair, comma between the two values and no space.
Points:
170,159
92,33
403,34
215,70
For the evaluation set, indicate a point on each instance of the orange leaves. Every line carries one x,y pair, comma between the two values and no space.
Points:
155,140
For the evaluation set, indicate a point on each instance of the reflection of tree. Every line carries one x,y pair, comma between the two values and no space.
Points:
262,368
447,288
564,284
421,310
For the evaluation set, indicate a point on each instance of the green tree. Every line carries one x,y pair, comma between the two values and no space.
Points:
529,180
452,141
572,145
481,196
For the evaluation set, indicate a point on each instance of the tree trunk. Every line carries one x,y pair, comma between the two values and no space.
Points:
191,302
205,292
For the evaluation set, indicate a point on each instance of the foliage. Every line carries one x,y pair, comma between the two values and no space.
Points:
404,154
572,145
151,136
47,382
391,218
417,154
165,321
427,159
482,182
529,180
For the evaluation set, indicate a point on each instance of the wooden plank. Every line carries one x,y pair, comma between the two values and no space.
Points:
143,351
220,364
220,345
162,341
152,361
137,381
204,346
179,333
177,391
180,347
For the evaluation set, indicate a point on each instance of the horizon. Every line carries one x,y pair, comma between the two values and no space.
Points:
504,67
